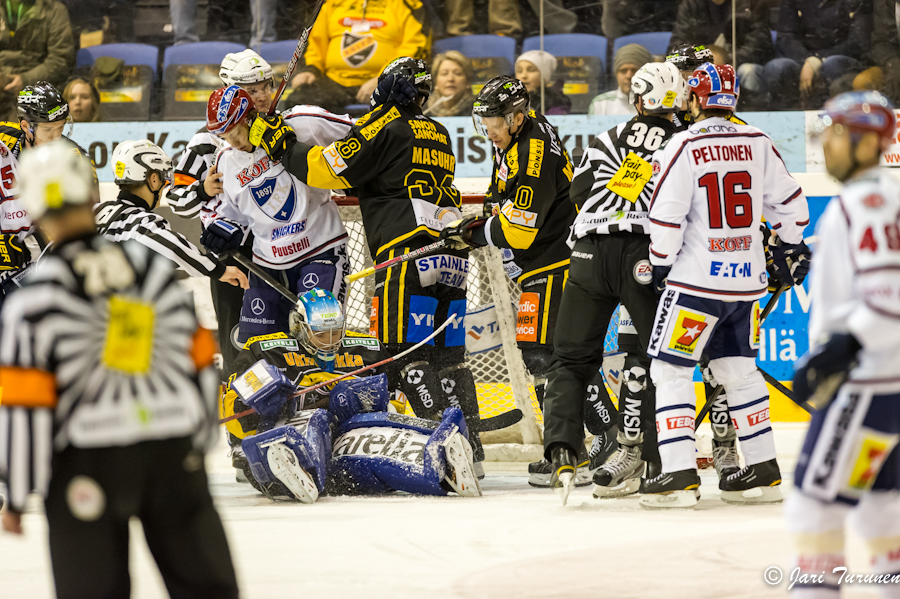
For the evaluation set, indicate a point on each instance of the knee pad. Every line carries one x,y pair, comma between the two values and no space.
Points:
421,384
877,519
537,360
731,371
662,373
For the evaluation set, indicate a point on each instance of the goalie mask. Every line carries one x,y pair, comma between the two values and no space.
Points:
317,323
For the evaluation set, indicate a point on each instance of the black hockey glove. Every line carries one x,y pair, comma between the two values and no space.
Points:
787,263
818,375
273,135
222,235
12,253
660,275
458,234
393,89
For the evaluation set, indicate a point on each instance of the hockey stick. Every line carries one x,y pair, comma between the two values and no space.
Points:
762,318
301,48
317,386
368,272
259,272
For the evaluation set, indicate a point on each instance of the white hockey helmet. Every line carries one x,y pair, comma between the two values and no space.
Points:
660,85
133,161
53,175
243,68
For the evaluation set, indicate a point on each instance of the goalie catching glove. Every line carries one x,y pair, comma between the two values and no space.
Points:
819,375
273,135
458,234
12,253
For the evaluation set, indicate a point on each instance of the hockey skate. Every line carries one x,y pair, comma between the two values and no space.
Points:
241,465
564,465
621,474
758,483
539,472
461,474
283,463
725,458
671,490
604,445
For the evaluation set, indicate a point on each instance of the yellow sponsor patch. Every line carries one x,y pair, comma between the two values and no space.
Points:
632,176
535,158
129,337
370,131
689,327
872,449
754,326
669,100
512,162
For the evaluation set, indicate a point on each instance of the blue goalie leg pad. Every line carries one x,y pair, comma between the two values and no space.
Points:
359,396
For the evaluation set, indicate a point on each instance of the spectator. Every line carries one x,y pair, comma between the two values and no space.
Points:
535,69
35,44
624,17
885,52
503,17
627,61
184,21
349,46
820,42
452,95
557,18
709,22
83,99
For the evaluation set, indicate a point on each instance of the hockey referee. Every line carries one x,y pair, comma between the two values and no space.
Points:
610,265
109,400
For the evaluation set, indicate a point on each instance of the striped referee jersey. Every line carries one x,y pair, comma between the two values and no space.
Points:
99,348
187,197
129,217
614,183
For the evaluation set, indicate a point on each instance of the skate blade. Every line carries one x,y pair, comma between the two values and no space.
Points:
541,480
629,486
759,495
461,475
565,486
240,477
671,500
285,468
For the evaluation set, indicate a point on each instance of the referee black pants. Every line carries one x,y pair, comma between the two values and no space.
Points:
94,492
605,270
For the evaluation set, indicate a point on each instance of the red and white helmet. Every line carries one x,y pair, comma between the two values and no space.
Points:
860,112
717,86
226,108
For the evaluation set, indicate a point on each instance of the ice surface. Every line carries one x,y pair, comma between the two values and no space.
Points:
515,542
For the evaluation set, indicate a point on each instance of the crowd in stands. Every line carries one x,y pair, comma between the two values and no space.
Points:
789,54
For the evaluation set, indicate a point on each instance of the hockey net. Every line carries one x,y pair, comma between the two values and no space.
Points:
502,381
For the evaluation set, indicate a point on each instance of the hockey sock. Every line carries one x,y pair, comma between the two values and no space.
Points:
719,416
635,399
458,385
599,412
748,402
675,411
421,384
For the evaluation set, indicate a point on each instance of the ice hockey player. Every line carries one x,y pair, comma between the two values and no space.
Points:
527,214
298,236
711,269
610,265
400,164
43,117
290,449
108,400
849,461
141,171
194,188
315,348
687,58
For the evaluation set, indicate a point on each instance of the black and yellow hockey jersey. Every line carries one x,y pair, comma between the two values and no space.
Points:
529,194
400,164
683,120
13,137
285,353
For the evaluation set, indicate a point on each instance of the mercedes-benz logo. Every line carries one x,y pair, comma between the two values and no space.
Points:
310,280
257,306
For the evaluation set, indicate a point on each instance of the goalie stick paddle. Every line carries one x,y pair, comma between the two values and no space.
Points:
317,386
762,318
368,272
301,48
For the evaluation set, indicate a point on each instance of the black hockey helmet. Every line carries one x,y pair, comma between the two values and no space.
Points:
688,57
414,70
41,103
501,96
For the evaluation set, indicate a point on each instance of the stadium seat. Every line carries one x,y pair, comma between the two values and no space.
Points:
273,52
132,54
569,44
581,64
479,46
199,53
655,41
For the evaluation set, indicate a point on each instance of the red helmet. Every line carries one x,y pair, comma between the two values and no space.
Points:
717,86
861,111
226,108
